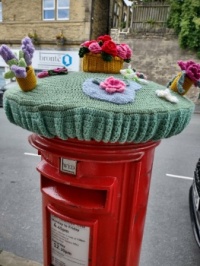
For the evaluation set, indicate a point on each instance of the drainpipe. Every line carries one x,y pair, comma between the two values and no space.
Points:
110,15
91,19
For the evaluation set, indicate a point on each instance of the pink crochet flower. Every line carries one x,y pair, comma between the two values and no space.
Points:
87,43
124,50
121,52
191,69
112,85
193,72
95,48
184,65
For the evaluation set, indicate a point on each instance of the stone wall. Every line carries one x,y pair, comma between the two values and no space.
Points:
157,57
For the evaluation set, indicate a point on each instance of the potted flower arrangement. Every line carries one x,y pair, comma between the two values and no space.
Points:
34,37
104,55
60,39
190,75
20,65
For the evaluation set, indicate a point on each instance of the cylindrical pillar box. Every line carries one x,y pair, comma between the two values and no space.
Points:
95,197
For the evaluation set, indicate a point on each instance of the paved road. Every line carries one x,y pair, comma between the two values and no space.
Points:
168,238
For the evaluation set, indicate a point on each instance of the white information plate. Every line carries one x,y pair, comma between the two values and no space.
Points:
68,166
196,197
69,243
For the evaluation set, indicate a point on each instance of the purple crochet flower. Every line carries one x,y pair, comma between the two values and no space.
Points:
6,53
20,72
28,49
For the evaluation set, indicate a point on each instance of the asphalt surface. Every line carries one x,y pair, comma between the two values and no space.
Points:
168,237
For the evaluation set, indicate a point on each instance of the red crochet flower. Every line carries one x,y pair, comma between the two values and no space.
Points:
104,38
109,47
112,85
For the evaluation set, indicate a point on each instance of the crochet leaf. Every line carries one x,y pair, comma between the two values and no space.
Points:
127,60
180,83
9,75
12,62
21,54
83,51
106,57
22,62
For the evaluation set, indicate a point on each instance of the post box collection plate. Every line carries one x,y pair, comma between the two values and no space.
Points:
69,243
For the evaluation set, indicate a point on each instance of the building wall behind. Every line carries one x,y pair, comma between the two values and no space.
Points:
157,58
23,17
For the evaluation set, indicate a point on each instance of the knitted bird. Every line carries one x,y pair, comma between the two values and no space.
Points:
130,74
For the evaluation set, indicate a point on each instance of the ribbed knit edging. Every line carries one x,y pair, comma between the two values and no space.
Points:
98,125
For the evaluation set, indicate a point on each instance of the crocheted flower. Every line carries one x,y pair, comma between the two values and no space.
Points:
95,48
124,51
121,52
20,72
104,38
112,85
6,53
184,65
193,72
18,64
87,43
28,50
108,49
191,69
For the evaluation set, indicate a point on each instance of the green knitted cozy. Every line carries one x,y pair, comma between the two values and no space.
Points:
57,107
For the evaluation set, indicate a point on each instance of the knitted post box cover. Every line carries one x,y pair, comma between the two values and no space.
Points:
58,107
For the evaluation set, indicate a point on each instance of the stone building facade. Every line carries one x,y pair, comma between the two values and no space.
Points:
84,20
87,20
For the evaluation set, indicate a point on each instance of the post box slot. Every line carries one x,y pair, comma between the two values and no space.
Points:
76,197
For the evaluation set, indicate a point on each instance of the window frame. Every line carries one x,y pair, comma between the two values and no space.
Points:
56,10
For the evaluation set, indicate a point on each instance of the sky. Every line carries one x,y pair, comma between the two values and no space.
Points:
128,3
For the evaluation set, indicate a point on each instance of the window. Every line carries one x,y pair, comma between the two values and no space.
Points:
0,10
116,15
56,9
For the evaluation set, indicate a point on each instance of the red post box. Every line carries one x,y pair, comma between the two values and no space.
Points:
95,197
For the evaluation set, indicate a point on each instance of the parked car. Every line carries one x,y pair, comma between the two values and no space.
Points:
194,202
3,89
